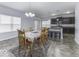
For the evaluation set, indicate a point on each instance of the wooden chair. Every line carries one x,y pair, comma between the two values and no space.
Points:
23,42
45,35
21,37
42,38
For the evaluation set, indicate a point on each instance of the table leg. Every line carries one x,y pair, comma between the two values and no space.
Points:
58,35
53,36
49,35
61,35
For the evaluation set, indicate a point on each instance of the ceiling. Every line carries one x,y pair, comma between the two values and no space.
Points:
41,9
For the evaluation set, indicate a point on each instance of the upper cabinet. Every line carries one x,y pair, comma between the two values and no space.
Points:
64,20
68,20
68,24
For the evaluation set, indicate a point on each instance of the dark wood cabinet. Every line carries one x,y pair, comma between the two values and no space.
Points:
65,20
53,21
69,30
68,20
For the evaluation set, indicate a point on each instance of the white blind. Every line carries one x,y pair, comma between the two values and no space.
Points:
16,23
46,23
9,23
16,20
5,28
4,19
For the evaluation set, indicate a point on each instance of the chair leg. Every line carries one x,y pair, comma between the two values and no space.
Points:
30,50
19,51
24,54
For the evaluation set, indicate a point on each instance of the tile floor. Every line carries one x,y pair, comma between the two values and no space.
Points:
66,48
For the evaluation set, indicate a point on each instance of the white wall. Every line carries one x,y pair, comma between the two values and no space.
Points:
11,12
77,23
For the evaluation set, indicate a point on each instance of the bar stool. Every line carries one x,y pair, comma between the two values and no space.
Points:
57,33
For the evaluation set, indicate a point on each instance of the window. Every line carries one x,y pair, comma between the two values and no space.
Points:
5,19
16,20
46,23
16,23
4,28
9,23
36,24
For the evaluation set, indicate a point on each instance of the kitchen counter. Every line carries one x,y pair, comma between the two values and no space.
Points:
64,25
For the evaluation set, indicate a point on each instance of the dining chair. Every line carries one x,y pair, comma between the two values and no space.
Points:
46,35
43,37
23,42
39,40
21,37
57,33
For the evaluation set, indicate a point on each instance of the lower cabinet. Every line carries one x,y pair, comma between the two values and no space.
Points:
69,30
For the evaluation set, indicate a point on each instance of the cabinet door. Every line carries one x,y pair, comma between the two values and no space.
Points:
53,21
69,30
72,20
68,20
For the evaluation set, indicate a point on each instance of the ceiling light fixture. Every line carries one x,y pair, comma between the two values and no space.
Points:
29,14
67,12
53,14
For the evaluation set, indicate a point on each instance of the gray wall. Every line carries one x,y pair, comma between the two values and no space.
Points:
27,22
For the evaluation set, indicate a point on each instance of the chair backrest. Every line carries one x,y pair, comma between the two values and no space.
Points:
44,35
45,31
41,38
21,37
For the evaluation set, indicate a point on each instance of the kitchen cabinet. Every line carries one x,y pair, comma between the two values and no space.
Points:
68,24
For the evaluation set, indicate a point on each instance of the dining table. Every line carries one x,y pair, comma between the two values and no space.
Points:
32,35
